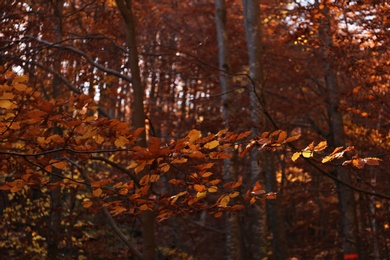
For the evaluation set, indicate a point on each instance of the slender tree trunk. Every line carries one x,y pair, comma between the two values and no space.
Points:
254,44
275,216
345,194
233,241
55,232
148,217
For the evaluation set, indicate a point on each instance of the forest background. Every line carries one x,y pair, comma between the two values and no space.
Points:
194,129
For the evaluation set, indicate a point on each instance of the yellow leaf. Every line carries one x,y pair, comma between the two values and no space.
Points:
307,154
224,201
211,145
5,103
201,195
98,139
295,156
121,141
97,192
234,194
140,167
194,135
212,189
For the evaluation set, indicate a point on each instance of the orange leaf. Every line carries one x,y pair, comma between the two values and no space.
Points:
243,135
207,174
180,160
87,204
194,135
218,214
292,138
321,146
97,192
224,201
282,137
199,187
154,145
234,194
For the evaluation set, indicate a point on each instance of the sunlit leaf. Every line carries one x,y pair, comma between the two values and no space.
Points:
201,194
207,174
292,138
194,135
234,194
282,137
321,146
199,187
372,160
295,156
212,189
224,201
211,145
121,141
307,153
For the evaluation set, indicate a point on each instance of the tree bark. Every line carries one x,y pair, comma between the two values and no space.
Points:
233,240
54,236
346,197
147,217
254,46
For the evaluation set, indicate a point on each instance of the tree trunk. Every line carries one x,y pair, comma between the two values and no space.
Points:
345,194
147,217
54,236
233,240
254,45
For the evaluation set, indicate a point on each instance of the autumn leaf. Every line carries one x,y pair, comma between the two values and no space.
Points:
234,194
372,160
121,141
164,167
179,160
321,146
207,174
218,214
224,201
201,194
97,192
282,137
87,204
4,103
307,153
154,145
212,189
292,138
295,156
199,187
194,135
211,145
58,164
